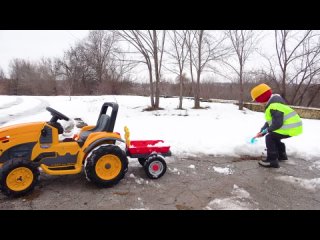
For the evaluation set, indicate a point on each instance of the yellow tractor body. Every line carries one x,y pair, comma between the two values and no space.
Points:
26,147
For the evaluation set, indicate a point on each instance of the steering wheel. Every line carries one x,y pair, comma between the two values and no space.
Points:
56,115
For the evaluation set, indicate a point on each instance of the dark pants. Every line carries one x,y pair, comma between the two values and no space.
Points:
275,148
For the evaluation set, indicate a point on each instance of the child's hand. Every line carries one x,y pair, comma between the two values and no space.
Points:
261,134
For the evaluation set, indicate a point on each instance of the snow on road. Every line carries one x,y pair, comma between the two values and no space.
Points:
309,184
315,165
240,200
225,170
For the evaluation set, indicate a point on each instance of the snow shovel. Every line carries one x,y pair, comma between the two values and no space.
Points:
254,139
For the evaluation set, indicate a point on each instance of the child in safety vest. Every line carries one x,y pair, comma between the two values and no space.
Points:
281,122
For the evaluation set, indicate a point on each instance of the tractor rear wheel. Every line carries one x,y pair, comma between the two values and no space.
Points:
18,177
106,166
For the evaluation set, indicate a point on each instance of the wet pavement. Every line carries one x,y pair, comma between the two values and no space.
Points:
200,182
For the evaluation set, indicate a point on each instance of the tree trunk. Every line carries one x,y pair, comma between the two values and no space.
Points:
313,97
283,90
156,67
151,86
15,87
181,90
191,73
197,92
241,88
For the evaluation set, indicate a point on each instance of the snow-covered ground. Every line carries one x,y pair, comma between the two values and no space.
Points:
220,129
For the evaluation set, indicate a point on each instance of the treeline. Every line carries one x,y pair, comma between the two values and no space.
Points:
231,91
104,63
209,89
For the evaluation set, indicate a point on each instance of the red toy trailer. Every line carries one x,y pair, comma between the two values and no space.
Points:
150,154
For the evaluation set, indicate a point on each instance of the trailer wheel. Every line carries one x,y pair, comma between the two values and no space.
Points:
142,161
155,166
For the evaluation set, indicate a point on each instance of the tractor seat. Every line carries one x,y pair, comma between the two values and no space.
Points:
102,126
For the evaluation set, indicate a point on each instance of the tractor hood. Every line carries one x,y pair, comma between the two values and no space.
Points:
22,128
19,134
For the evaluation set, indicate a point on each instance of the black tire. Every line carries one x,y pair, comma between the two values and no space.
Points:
91,162
155,166
10,166
142,161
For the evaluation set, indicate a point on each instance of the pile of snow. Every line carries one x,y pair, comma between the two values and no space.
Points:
219,129
141,204
316,165
143,181
309,184
174,170
239,201
7,101
225,170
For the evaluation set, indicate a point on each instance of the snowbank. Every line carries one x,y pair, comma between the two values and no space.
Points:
219,129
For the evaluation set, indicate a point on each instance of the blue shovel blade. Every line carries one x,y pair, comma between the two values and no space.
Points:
253,140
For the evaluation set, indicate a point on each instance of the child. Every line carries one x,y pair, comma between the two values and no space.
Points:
281,122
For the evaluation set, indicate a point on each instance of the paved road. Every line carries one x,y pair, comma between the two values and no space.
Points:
204,182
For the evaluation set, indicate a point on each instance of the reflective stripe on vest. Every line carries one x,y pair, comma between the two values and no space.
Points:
286,117
292,125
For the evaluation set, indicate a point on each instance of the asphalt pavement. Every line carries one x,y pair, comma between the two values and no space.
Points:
200,182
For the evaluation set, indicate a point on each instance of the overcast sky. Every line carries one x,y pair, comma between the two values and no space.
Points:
34,44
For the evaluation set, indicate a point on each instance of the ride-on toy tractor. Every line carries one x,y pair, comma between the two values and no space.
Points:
25,148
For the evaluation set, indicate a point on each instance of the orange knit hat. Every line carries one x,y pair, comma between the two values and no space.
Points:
261,93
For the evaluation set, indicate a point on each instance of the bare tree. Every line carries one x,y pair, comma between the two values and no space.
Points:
2,75
286,54
307,70
15,78
70,68
3,83
243,43
270,73
190,41
314,92
180,53
47,76
119,71
150,44
22,74
103,64
203,48
99,47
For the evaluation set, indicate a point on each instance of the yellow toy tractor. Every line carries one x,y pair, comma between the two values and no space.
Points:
25,148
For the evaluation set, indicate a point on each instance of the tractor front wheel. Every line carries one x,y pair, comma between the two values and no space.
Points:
106,166
18,177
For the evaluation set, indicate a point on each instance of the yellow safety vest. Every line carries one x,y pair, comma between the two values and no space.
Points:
292,124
